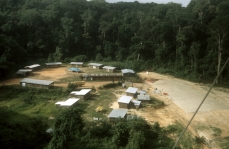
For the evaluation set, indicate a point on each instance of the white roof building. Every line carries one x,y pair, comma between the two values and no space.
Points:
77,63
143,97
125,99
118,113
95,64
67,103
81,92
34,81
33,66
131,90
127,71
53,63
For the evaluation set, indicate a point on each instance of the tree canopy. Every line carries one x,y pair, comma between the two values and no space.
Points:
191,39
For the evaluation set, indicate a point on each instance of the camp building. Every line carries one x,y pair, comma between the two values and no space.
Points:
128,73
136,103
82,94
131,91
76,64
74,69
143,98
102,76
124,102
95,65
53,64
33,67
68,103
37,83
23,72
109,68
117,114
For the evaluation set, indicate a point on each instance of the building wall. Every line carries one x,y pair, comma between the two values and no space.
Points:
129,74
123,105
82,97
108,78
37,85
130,94
76,65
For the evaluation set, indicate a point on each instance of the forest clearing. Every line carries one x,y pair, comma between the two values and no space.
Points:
181,100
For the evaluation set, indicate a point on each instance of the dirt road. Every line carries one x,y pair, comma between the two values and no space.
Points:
183,98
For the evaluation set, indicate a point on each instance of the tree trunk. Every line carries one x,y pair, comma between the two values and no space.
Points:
219,63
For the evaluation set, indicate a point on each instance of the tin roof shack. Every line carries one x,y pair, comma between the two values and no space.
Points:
143,98
124,102
131,91
142,92
74,70
37,83
117,114
82,94
53,64
76,64
102,76
109,68
68,103
23,72
128,73
136,103
95,65
33,67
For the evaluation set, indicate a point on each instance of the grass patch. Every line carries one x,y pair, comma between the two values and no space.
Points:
223,142
30,103
74,77
216,131
103,98
154,102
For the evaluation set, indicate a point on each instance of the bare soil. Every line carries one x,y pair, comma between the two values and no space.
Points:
181,99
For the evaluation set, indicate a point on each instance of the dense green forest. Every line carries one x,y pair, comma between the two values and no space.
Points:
189,40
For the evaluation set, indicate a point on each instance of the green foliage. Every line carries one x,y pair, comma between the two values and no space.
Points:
27,134
111,85
68,124
223,142
71,87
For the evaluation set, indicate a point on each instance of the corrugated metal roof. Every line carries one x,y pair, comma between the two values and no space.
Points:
108,67
118,113
101,74
23,71
68,102
127,71
136,102
33,66
81,92
34,81
95,64
132,90
77,63
125,99
53,63
143,97
74,69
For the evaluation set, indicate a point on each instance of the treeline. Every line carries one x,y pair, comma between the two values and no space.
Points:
188,40
71,131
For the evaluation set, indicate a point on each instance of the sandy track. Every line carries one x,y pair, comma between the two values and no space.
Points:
184,97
